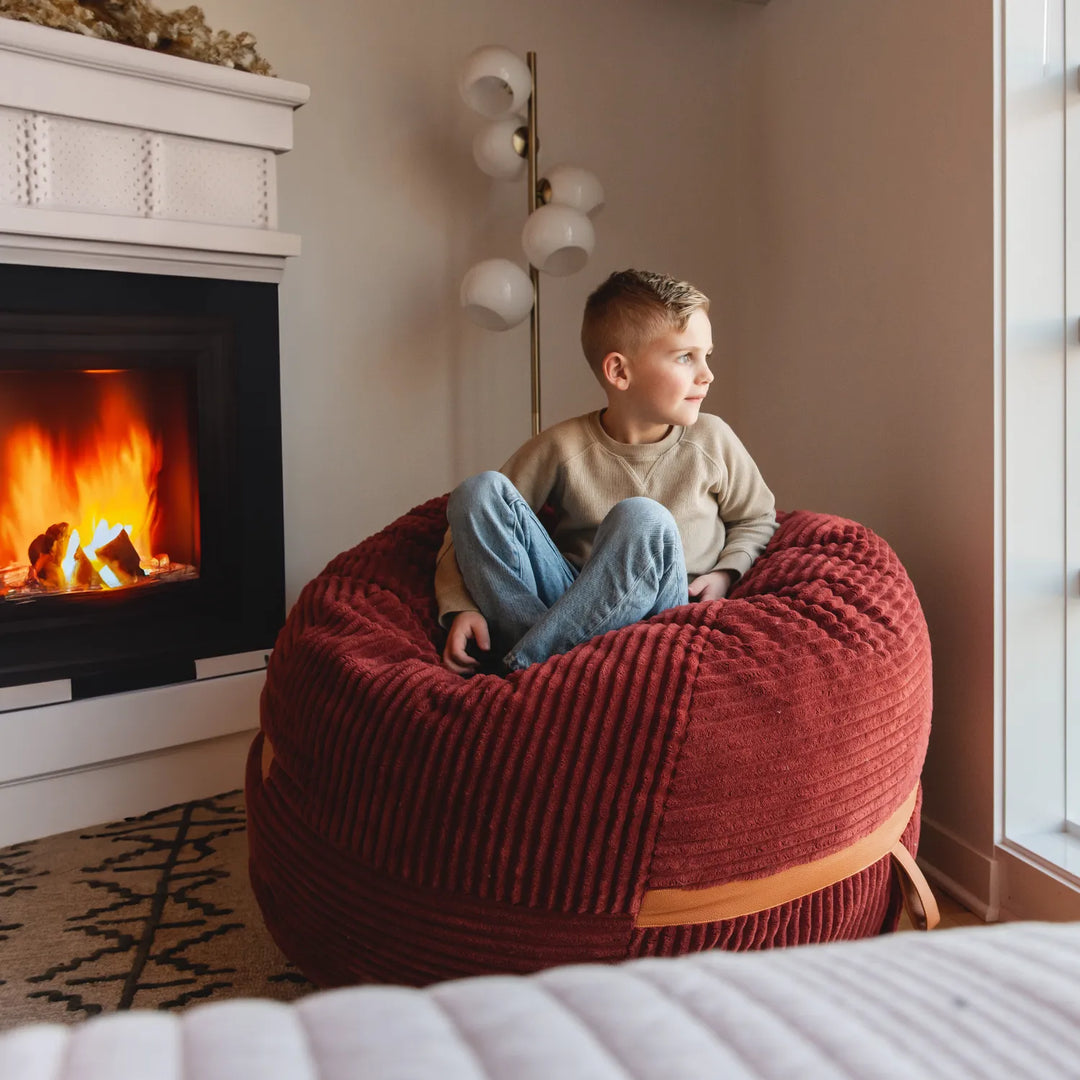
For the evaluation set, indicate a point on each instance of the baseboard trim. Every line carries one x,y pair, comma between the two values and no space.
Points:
966,874
73,735
126,787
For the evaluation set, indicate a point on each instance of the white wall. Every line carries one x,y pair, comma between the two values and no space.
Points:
389,395
863,323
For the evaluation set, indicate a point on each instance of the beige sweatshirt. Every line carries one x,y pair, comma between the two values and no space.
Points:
702,474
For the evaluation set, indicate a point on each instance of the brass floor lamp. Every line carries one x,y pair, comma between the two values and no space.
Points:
558,235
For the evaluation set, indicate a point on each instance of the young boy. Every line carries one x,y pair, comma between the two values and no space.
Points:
654,503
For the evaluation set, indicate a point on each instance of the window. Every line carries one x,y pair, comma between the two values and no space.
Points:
1039,459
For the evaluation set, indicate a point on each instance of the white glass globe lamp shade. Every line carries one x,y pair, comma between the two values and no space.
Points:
496,294
558,239
570,185
495,148
495,81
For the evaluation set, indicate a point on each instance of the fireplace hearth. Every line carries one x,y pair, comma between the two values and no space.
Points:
143,408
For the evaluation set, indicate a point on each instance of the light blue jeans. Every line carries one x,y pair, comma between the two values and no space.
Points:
536,602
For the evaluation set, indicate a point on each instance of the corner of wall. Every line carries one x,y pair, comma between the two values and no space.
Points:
952,864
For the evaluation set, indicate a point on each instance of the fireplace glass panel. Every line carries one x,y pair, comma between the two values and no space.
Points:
100,364
98,480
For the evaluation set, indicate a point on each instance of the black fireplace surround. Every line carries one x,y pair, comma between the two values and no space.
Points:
225,335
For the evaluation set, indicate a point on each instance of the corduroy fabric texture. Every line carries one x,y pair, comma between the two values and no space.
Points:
417,826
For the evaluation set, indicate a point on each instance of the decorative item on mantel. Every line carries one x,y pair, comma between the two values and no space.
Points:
558,236
140,23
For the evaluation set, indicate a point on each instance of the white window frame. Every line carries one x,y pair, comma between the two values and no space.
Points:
1071,419
1038,852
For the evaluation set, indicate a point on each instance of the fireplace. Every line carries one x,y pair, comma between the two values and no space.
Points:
143,409
140,426
108,455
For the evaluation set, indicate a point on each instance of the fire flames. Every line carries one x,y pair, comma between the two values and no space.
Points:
70,503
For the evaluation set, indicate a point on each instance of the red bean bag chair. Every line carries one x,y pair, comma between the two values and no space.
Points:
737,774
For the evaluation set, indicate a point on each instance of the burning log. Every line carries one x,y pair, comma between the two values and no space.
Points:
86,577
120,556
12,577
50,542
46,553
58,563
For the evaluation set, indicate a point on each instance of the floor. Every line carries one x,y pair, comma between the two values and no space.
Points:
953,914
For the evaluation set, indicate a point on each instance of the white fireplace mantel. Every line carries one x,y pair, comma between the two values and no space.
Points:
118,158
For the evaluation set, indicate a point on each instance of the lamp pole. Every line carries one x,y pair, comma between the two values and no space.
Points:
558,235
534,274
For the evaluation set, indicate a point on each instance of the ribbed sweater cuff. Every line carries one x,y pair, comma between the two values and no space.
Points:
738,562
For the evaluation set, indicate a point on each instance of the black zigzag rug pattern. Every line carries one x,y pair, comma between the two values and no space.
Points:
150,912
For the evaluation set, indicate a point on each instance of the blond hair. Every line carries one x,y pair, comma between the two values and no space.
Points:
632,307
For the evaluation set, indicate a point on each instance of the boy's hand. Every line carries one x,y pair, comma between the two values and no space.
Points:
467,626
712,586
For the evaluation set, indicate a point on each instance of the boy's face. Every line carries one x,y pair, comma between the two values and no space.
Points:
669,375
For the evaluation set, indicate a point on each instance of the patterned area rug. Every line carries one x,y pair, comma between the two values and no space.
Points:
153,912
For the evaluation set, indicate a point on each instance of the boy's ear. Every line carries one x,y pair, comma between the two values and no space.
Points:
616,370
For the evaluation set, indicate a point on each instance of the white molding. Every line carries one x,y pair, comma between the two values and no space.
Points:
214,667
965,873
34,695
26,222
950,887
139,258
68,74
56,738
121,788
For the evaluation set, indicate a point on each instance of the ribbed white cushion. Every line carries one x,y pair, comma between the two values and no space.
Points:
996,1002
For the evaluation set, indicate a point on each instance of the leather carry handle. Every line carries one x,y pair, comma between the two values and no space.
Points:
919,902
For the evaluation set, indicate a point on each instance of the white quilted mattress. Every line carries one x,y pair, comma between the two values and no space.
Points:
996,1002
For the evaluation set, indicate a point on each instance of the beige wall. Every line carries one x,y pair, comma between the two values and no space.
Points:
389,395
863,320
823,170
